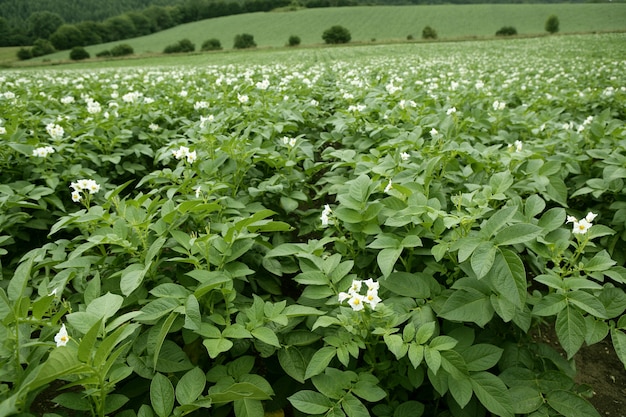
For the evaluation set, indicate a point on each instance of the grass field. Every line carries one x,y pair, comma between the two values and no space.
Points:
382,23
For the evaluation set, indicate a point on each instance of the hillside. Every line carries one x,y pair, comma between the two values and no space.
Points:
382,23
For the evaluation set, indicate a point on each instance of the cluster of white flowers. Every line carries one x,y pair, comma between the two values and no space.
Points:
55,131
314,102
392,89
43,151
67,100
263,85
131,97
61,338
499,105
290,141
479,85
357,300
517,146
581,226
200,105
434,132
243,98
204,120
9,95
3,130
451,110
356,108
183,152
389,186
407,103
405,156
154,127
325,217
93,107
84,185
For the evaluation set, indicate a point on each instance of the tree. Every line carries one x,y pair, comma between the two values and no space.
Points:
42,47
24,54
122,50
183,45
120,27
243,41
141,22
336,34
67,37
93,32
294,40
78,53
552,24
43,24
211,45
429,33
506,31
159,17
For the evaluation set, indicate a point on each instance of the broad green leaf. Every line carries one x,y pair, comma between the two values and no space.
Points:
597,330
416,285
525,399
600,262
535,205
387,260
162,395
61,361
482,258
239,391
87,343
482,356
461,390
266,335
454,364
161,335
433,359
368,390
517,233
396,345
193,318
552,219
320,361
570,405
618,337
498,220
588,303
507,277
360,188
467,306
132,277
105,306
310,402
492,393
293,363
217,346
248,408
353,407
550,305
190,386
409,409
570,330
21,277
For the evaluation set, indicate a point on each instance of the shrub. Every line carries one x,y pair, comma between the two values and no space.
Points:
336,34
24,54
506,31
183,45
552,24
104,53
243,41
429,33
122,50
409,37
78,53
212,45
42,47
294,40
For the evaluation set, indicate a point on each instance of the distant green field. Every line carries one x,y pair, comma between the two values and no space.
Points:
383,23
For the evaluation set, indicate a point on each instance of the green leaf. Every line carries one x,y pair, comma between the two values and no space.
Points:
360,188
517,233
482,356
266,335
367,390
387,260
87,343
193,318
618,338
433,359
105,306
409,409
310,402
498,220
525,399
492,393
467,306
320,361
552,219
162,395
248,408
507,277
396,345
353,407
550,305
570,330
132,277
570,404
20,279
600,262
293,363
217,346
416,285
190,386
61,361
588,303
461,390
482,258
161,335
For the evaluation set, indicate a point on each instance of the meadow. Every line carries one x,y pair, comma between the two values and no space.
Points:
351,231
381,24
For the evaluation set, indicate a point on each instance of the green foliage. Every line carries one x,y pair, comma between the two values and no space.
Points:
382,246
78,53
552,24
336,34
506,31
244,41
42,47
212,44
294,40
24,54
122,49
183,45
66,37
429,33
104,54
42,24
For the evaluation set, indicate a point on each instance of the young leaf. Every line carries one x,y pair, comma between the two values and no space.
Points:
162,395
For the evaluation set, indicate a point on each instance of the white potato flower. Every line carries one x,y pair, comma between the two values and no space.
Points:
43,151
325,217
580,227
61,338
